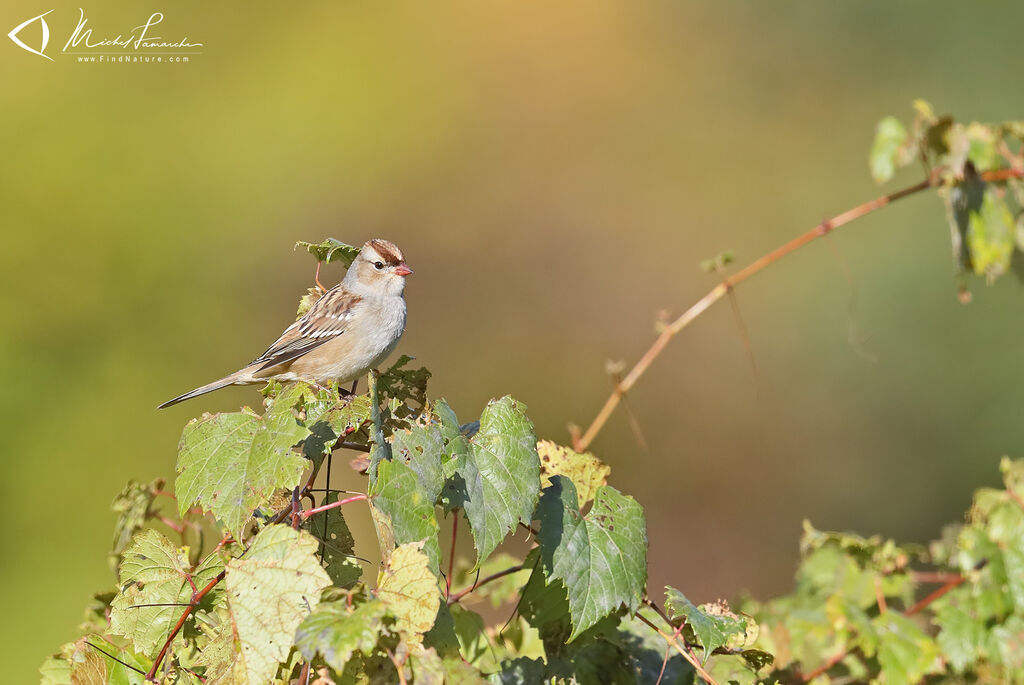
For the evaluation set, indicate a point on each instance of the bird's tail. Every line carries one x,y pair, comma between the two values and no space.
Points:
202,390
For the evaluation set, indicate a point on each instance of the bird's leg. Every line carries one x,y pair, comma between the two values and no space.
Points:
355,384
316,279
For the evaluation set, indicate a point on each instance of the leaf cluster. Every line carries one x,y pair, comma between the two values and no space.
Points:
986,218
262,584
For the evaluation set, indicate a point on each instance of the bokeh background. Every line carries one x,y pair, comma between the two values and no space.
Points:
555,173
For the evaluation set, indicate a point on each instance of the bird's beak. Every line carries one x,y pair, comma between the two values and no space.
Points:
403,269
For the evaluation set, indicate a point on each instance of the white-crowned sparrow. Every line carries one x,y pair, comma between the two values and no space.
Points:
351,329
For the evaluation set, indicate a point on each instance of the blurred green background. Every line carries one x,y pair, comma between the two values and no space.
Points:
554,172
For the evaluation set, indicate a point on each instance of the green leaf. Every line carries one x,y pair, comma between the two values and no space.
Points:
330,250
90,666
420,447
961,636
271,589
521,671
337,546
231,464
153,572
132,506
586,471
495,475
991,236
403,510
905,653
218,654
890,136
336,631
409,589
712,628
601,558
405,385
55,670
330,418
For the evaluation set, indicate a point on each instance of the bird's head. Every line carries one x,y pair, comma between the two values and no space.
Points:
379,269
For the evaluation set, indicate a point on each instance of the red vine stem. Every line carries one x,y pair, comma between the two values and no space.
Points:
723,288
196,599
317,510
451,556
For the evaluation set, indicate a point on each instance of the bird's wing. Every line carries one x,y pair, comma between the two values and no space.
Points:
329,317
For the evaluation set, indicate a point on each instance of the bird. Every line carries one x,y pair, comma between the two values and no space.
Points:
349,330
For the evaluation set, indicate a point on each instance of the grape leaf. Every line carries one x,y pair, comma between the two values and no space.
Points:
890,136
905,653
495,475
153,572
409,590
230,464
586,471
132,506
403,510
405,385
961,636
55,670
601,558
90,666
336,631
420,446
218,655
330,250
271,589
330,418
713,628
990,236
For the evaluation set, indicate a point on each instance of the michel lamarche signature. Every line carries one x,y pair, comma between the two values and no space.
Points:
138,39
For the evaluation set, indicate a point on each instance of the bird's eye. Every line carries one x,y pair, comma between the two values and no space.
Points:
378,265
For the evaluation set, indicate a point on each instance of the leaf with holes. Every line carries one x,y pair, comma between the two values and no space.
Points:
330,418
271,589
231,464
601,558
420,446
154,589
403,510
132,506
410,591
405,385
712,629
586,471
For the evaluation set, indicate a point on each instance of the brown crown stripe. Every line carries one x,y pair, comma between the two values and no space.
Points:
388,251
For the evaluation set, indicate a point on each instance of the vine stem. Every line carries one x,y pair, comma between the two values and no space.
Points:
451,555
196,599
726,286
333,505
452,599
679,648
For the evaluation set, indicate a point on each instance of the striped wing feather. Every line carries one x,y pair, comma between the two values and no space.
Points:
328,318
